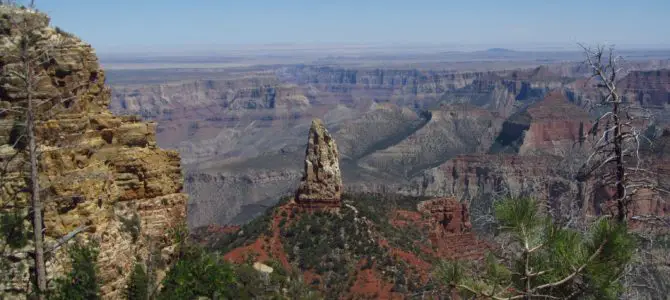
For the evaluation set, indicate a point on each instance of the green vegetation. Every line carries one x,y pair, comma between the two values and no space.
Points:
14,235
131,225
17,135
179,237
138,284
204,274
81,282
249,232
63,32
544,261
198,274
13,231
332,245
378,209
252,284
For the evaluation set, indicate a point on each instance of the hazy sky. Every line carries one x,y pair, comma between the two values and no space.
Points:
138,25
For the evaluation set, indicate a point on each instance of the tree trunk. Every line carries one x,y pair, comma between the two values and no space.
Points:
620,171
40,266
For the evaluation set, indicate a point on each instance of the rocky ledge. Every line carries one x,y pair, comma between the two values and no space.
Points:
98,172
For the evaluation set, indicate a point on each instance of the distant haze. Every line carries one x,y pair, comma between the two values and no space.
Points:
171,27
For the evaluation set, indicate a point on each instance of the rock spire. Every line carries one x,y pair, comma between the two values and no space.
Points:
321,184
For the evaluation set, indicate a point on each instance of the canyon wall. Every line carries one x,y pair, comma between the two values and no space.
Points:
241,137
242,133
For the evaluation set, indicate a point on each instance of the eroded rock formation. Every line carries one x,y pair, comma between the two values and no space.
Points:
98,172
448,221
451,130
553,124
321,184
451,215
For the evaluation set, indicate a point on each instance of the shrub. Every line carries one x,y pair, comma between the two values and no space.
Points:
81,283
138,284
198,274
131,225
13,230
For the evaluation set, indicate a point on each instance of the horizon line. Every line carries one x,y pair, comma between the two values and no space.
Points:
361,48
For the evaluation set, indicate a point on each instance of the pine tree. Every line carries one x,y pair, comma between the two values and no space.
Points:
544,261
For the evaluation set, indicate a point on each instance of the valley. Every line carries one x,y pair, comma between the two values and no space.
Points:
245,154
240,131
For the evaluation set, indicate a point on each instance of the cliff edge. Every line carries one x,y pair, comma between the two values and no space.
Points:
98,172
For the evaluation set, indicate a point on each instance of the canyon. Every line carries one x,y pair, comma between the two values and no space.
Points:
241,132
356,175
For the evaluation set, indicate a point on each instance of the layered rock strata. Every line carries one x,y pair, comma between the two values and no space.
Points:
552,125
98,173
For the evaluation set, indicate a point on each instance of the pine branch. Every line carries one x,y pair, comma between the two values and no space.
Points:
576,272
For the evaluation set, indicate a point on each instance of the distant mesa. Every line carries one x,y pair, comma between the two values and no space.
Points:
499,50
321,184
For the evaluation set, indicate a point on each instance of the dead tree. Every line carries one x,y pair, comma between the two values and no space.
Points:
616,152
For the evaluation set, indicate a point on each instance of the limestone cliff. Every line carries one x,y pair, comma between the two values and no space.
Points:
97,170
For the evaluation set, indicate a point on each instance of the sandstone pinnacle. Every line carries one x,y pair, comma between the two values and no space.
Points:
321,184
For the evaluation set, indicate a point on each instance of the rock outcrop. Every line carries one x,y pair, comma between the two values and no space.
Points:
450,229
321,184
650,89
469,176
98,172
546,126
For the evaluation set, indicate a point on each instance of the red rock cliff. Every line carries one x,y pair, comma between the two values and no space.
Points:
450,229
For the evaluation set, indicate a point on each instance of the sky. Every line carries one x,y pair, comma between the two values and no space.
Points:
189,25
